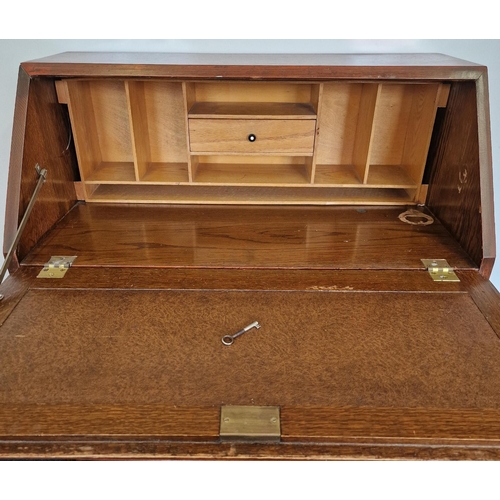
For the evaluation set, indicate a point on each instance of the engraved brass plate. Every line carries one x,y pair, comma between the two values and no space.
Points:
250,423
440,270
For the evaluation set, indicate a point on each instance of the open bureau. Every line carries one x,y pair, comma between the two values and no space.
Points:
160,202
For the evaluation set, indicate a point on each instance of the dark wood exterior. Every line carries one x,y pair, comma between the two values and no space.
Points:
366,356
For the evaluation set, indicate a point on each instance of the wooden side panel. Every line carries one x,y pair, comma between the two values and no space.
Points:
41,135
16,165
455,194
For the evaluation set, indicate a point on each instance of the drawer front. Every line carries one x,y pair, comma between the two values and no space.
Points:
235,136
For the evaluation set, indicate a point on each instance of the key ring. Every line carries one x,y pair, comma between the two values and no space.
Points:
227,339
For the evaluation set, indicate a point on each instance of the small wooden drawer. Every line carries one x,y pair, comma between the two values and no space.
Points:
251,136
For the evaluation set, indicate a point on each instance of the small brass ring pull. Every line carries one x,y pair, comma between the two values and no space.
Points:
252,138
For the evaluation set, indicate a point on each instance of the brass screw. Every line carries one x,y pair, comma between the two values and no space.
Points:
274,420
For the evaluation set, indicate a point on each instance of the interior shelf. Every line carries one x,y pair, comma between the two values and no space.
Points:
251,174
227,195
269,110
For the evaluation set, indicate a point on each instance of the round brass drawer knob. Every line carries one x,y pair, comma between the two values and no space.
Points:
252,138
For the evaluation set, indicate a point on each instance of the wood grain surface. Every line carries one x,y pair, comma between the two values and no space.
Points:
45,141
150,278
16,165
246,237
272,136
43,422
255,66
390,425
455,194
314,348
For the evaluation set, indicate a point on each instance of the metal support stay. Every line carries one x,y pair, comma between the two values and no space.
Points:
42,177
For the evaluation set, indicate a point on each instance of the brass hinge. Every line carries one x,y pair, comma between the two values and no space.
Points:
56,267
250,423
440,270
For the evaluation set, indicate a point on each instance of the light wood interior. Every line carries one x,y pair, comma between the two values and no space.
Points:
160,142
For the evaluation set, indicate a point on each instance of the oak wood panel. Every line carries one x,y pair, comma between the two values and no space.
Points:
455,195
157,431
486,176
390,425
41,135
126,278
485,296
272,136
251,66
16,165
314,348
251,237
13,289
43,422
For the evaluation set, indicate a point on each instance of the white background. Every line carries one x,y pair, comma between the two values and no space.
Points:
13,52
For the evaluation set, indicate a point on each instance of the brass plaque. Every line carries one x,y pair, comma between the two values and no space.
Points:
250,423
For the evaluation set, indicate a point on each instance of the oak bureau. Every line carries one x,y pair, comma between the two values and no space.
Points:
330,216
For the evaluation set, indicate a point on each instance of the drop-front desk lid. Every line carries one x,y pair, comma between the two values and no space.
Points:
361,349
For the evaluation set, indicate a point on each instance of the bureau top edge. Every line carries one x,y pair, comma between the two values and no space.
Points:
255,66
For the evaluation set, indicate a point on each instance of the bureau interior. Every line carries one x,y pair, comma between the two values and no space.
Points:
152,141
165,173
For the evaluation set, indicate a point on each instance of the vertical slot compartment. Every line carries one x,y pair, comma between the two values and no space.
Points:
345,130
402,129
99,117
157,114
